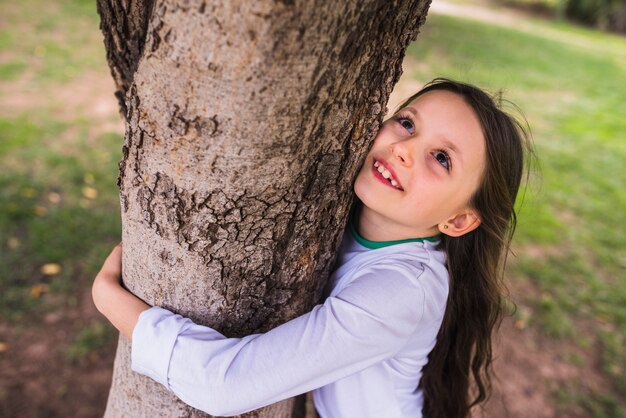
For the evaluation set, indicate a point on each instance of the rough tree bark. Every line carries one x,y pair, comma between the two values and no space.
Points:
246,122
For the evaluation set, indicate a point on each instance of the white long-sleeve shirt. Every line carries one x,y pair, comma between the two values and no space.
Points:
361,351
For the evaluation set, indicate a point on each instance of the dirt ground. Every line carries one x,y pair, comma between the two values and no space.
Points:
37,381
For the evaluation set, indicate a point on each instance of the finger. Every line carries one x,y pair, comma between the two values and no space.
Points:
114,260
117,248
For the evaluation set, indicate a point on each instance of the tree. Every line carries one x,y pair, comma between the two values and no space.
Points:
246,123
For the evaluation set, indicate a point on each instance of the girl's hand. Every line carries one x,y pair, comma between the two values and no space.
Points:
108,279
111,270
117,304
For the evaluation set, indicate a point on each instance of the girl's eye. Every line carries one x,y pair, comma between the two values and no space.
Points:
405,120
406,124
442,158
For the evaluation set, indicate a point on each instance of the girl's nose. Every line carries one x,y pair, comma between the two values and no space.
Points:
401,153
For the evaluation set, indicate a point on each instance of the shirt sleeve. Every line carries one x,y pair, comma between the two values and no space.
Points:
367,322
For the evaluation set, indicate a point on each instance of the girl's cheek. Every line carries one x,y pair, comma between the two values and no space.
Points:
384,134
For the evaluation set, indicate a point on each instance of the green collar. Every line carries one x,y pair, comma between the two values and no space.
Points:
372,245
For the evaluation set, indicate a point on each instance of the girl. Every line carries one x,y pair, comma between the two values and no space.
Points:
414,300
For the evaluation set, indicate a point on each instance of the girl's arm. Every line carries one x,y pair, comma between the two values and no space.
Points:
368,321
118,305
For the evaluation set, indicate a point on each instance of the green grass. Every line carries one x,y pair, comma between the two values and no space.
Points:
46,217
51,42
573,97
572,401
51,165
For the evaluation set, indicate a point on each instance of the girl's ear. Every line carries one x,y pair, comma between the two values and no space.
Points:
460,224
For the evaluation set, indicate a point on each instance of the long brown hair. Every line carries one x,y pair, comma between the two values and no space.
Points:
475,262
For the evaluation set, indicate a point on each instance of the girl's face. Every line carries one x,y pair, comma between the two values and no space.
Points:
424,166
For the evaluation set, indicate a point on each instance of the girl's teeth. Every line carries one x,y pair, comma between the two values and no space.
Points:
386,173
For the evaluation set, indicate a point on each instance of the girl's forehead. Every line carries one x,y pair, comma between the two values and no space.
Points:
445,110
439,98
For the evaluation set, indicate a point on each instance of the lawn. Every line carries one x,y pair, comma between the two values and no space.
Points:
60,141
57,186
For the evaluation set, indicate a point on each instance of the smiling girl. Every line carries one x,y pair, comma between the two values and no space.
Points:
415,298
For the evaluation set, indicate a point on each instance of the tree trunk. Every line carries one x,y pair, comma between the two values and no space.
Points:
246,123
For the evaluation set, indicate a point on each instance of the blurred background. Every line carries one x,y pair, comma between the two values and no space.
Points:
561,352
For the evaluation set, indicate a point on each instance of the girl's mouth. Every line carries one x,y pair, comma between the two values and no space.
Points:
385,176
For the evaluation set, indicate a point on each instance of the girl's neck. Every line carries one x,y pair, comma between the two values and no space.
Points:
373,227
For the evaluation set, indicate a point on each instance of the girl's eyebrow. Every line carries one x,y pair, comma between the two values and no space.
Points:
413,111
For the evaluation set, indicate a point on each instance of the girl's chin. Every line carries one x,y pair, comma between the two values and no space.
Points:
372,187
366,195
